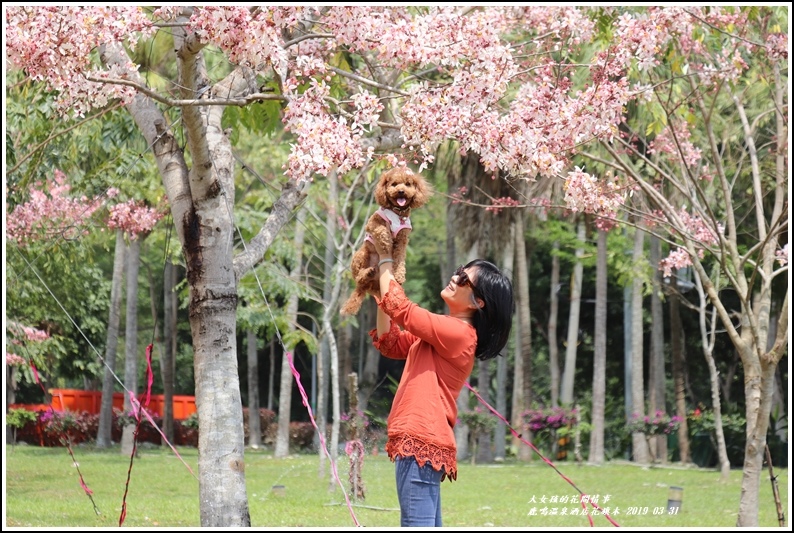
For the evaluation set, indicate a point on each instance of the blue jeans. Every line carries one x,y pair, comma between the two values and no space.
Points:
419,493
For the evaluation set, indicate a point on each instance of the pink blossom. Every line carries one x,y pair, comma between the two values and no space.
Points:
20,332
678,258
54,44
697,228
50,213
782,255
510,102
497,204
584,192
14,360
133,217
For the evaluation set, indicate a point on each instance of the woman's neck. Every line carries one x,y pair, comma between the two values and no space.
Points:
466,317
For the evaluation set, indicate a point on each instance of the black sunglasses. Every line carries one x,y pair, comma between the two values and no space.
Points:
463,279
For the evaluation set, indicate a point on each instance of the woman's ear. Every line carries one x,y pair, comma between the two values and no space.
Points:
477,303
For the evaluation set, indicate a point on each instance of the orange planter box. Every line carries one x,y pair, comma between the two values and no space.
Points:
90,401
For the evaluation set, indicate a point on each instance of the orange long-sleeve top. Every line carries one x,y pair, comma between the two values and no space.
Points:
439,356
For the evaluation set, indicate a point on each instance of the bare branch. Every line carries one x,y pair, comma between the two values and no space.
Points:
731,35
241,101
296,40
366,81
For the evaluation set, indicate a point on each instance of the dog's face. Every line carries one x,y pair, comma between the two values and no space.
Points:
400,190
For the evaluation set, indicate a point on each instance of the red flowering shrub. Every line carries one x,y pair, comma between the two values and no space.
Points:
548,418
266,418
301,435
146,431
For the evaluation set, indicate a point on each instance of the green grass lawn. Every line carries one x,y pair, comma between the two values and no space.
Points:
42,489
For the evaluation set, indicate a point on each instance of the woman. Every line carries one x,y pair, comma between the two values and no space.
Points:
439,352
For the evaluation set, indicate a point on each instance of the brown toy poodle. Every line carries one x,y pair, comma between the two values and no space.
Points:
398,191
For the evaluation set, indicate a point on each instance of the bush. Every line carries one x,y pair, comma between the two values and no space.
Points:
266,418
301,435
18,418
186,432
477,420
57,428
702,431
146,431
191,422
548,424
538,419
660,423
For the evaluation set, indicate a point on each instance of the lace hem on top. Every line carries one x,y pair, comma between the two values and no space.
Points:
394,298
386,342
438,457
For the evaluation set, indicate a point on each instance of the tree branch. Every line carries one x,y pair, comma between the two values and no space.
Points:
57,134
296,40
366,81
292,194
172,102
731,35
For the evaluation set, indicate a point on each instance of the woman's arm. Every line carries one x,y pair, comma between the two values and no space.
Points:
386,275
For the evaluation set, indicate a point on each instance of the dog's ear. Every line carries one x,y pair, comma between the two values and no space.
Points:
380,190
423,191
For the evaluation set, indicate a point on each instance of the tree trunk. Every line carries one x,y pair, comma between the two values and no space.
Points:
779,413
757,413
131,341
758,385
759,362
168,357
638,442
524,453
254,425
271,374
524,331
158,339
656,374
285,390
499,433
322,409
485,438
568,374
369,374
345,364
335,394
554,306
331,288
627,357
678,359
600,353
104,437
462,430
200,199
707,338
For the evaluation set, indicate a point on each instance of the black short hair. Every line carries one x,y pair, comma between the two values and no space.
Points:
494,319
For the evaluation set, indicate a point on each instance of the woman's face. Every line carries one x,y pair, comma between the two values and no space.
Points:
460,294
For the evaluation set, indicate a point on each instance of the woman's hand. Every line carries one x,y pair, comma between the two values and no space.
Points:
383,249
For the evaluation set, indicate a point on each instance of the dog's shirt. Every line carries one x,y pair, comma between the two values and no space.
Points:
395,221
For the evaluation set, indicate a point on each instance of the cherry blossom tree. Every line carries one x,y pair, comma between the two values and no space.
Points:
132,220
52,215
351,84
706,151
29,342
23,347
